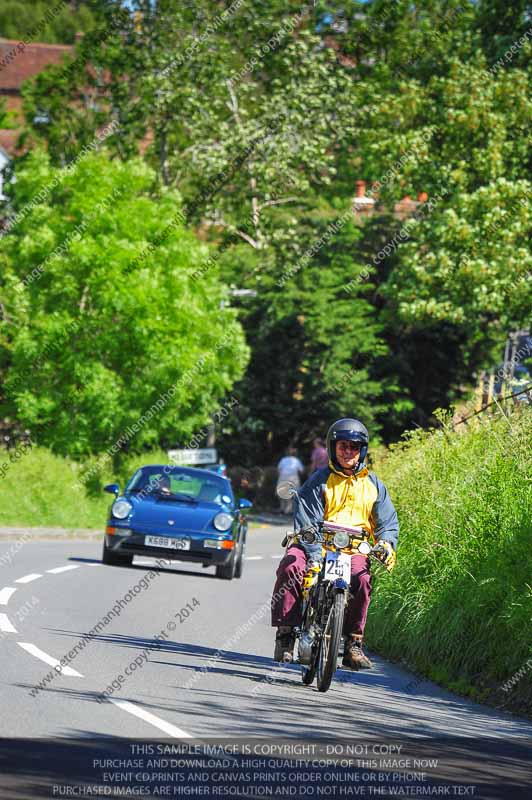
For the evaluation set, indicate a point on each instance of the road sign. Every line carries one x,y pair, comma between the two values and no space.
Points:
192,456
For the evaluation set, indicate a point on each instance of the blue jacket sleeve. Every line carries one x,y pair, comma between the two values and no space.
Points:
310,508
384,514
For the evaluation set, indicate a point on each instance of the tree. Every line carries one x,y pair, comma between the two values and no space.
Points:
44,21
501,25
453,283
264,117
278,101
101,326
317,347
461,279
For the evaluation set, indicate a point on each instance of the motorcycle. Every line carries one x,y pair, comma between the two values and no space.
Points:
325,592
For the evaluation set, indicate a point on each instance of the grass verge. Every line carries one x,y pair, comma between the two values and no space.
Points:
458,607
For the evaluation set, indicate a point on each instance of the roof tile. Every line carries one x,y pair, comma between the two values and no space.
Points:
28,62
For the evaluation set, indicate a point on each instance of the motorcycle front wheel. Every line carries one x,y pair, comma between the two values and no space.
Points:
308,673
330,643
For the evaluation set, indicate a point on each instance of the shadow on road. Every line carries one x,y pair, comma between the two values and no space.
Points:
145,567
355,699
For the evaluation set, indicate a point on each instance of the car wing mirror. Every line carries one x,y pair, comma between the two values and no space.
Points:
243,504
112,488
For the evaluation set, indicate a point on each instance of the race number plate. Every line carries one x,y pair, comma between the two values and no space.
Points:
337,565
164,541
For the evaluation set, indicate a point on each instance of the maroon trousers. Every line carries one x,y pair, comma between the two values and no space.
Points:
286,599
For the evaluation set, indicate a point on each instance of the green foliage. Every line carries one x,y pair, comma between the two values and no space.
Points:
264,117
500,25
460,597
470,264
102,318
457,131
457,279
51,21
316,345
5,116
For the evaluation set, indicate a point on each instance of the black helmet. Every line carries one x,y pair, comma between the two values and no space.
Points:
347,430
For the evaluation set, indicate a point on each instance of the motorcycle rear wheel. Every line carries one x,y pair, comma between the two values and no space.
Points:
330,643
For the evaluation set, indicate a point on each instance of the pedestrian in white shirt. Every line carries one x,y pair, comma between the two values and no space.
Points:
290,469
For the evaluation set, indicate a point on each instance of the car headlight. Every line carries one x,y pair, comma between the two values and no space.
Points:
222,521
121,509
341,539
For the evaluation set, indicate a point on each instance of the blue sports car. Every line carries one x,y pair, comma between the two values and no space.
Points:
177,513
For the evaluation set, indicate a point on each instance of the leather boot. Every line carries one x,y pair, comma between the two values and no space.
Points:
284,644
354,656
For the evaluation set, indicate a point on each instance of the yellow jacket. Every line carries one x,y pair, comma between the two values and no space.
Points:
359,500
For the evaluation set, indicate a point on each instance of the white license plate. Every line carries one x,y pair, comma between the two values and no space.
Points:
164,541
337,565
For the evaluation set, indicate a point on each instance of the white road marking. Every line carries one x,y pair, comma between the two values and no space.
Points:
29,578
57,570
53,662
5,594
94,565
253,558
5,624
280,556
151,719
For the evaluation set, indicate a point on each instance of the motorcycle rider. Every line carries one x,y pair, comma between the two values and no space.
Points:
344,492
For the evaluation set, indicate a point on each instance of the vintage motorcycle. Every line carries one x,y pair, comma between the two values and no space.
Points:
325,592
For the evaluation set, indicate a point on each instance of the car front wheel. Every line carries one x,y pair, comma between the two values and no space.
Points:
115,560
240,562
227,571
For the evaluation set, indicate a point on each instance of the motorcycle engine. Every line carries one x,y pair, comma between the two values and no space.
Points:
306,640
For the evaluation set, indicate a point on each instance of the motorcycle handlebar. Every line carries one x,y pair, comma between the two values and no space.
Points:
371,552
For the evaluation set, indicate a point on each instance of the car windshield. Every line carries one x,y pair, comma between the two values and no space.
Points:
176,482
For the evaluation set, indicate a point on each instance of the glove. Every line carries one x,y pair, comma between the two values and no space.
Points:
386,554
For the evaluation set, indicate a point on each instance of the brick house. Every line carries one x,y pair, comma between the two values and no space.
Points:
15,68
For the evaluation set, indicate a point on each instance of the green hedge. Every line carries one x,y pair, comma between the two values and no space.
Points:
458,606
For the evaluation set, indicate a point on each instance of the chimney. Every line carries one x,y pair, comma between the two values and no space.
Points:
422,197
362,204
405,207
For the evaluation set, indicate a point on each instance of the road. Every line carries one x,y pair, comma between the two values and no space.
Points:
210,673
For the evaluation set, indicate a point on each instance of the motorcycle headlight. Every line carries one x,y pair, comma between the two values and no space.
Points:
309,537
364,548
222,521
121,509
341,539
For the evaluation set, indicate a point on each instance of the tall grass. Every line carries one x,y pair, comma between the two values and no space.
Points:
458,607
